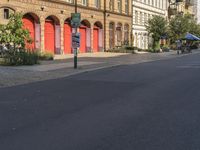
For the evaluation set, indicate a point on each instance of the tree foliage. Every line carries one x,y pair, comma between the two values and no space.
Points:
13,33
14,37
156,27
180,25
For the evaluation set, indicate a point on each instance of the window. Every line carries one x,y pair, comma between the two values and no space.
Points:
119,5
136,17
126,34
69,1
6,13
126,7
141,18
111,5
145,18
97,3
84,2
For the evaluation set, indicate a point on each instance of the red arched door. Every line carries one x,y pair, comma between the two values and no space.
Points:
95,39
67,38
29,24
49,36
82,31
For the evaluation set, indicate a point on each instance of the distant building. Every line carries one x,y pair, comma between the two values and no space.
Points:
105,24
197,10
181,7
142,11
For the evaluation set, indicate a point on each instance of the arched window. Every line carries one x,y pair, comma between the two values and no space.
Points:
126,34
111,35
119,34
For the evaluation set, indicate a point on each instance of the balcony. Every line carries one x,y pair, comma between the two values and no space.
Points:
189,2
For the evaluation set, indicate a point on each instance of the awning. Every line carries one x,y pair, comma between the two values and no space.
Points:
191,37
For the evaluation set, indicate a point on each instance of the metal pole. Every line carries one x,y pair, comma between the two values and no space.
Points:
75,49
104,20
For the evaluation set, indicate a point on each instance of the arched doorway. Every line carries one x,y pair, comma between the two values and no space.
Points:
97,37
31,23
119,34
67,37
52,35
111,35
85,33
126,34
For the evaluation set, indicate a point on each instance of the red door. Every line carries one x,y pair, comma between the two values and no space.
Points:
67,38
95,40
49,37
28,22
82,31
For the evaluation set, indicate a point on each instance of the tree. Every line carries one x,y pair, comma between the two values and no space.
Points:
156,27
14,37
180,25
13,34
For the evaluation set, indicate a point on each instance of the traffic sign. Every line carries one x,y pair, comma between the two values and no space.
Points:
75,20
75,40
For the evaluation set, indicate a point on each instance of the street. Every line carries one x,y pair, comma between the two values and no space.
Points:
147,106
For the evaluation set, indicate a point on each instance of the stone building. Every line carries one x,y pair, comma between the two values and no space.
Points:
105,24
196,10
181,7
142,11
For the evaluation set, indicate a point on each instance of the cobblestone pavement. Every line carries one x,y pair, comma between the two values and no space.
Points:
11,76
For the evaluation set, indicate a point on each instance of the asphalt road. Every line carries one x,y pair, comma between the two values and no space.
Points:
148,106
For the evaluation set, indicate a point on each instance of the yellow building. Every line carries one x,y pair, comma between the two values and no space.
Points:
105,24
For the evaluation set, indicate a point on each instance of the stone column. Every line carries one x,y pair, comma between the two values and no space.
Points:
42,23
92,26
62,37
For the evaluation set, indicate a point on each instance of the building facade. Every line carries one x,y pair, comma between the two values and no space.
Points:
105,24
142,11
196,10
181,7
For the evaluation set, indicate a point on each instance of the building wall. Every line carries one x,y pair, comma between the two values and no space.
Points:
196,10
142,11
61,10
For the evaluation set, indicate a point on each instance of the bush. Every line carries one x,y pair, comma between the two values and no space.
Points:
165,48
130,48
46,56
173,46
20,57
194,46
153,50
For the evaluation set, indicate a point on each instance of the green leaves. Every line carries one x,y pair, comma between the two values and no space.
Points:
180,25
13,33
156,27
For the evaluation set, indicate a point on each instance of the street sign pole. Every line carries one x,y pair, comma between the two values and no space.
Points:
75,49
75,23
75,54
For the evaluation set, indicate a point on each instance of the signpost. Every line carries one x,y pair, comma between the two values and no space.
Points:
75,23
75,40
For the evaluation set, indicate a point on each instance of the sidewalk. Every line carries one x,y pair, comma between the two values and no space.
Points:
10,76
